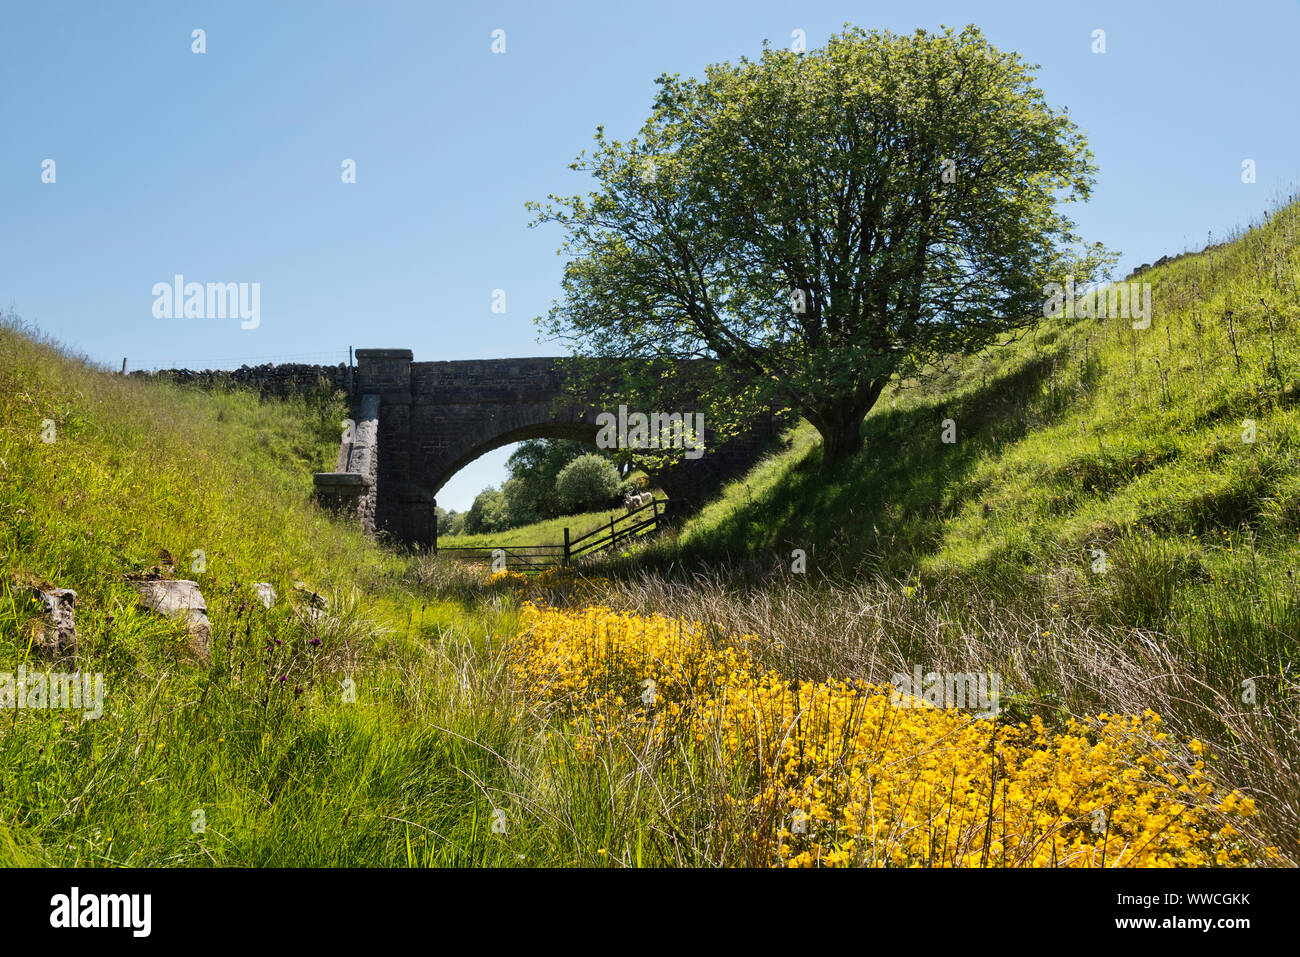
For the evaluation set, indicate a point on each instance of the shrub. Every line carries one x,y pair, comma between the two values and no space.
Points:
589,481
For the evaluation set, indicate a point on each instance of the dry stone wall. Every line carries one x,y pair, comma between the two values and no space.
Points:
267,379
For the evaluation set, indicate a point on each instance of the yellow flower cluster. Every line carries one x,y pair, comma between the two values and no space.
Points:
832,773
556,579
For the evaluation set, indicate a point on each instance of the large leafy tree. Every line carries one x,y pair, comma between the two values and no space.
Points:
820,223
589,481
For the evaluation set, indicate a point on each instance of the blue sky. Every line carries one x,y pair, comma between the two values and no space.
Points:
226,166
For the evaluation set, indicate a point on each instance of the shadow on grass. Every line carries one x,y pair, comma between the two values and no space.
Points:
883,510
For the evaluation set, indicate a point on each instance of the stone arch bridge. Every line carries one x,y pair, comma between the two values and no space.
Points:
418,423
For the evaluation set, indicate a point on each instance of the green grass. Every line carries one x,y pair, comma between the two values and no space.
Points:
1085,436
260,741
547,532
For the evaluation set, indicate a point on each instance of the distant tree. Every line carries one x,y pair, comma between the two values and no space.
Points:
450,522
821,223
518,503
485,515
589,481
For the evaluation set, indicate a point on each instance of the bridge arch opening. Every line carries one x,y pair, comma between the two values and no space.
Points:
535,500
573,432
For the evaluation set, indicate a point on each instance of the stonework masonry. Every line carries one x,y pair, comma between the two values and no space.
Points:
433,418
353,486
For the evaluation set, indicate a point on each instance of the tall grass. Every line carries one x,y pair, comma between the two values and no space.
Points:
257,757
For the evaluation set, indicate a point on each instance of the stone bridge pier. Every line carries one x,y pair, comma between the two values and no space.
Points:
418,423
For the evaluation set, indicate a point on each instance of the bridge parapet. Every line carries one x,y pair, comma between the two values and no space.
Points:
485,380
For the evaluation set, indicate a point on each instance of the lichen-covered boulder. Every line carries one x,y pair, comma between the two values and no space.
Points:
315,599
310,605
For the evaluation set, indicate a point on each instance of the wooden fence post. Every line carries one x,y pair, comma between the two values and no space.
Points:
566,546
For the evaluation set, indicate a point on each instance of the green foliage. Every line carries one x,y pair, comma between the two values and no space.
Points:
517,505
589,481
487,514
450,522
534,466
822,224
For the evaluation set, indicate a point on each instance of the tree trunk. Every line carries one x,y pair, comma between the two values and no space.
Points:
841,439
840,425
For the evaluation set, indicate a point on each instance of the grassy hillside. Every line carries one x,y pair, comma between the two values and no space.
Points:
1069,439
284,771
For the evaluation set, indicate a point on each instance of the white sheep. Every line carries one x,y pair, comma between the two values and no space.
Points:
633,500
